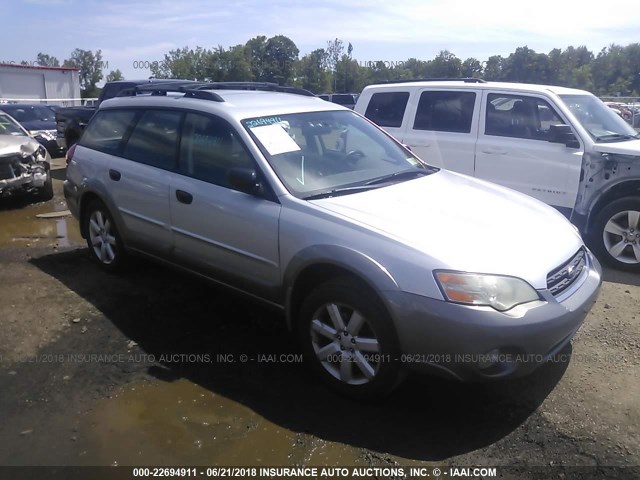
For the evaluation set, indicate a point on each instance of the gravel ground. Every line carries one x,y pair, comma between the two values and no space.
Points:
99,369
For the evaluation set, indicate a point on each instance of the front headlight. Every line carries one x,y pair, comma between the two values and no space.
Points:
497,291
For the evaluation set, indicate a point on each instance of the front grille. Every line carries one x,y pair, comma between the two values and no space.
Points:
565,275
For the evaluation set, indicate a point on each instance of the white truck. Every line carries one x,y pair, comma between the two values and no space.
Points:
562,146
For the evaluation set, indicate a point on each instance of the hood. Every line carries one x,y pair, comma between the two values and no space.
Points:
13,144
32,125
628,147
466,224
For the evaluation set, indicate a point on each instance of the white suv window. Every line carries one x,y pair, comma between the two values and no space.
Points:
445,111
519,116
386,109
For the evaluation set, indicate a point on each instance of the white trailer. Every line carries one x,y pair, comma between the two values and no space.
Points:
50,85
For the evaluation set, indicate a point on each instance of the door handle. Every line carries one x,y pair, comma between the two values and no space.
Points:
494,151
184,197
114,175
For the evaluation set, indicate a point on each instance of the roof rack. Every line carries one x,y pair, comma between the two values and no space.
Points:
194,89
442,79
265,86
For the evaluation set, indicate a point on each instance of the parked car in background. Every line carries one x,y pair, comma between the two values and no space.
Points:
378,260
24,163
39,121
562,146
345,99
70,121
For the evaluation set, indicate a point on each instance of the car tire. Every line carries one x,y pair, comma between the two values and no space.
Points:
103,238
348,339
45,192
615,235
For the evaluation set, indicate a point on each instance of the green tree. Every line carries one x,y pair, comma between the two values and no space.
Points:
471,67
445,65
280,53
114,75
312,72
45,60
90,66
335,49
255,51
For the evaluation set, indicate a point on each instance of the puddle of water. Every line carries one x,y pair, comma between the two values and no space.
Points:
181,423
20,227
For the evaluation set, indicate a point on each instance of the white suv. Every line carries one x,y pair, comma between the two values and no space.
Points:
562,146
378,260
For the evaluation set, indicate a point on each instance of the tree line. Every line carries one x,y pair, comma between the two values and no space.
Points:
613,71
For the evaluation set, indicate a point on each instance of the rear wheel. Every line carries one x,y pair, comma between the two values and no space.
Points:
103,239
349,340
616,234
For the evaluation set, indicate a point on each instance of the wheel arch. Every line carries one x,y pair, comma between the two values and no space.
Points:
625,188
318,264
91,192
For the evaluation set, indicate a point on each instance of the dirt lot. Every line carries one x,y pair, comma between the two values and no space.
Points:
147,368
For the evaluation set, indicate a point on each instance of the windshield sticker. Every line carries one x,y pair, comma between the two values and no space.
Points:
262,121
275,139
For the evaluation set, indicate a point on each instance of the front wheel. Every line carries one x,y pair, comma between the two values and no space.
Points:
349,340
103,239
616,234
45,192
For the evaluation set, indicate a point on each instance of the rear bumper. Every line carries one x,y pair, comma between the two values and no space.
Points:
72,196
480,343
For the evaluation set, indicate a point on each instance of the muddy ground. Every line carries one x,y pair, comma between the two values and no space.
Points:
147,368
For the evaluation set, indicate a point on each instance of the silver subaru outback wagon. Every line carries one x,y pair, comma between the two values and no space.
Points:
380,261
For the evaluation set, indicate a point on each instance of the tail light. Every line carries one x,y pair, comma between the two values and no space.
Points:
70,152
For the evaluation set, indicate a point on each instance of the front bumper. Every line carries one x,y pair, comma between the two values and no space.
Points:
479,343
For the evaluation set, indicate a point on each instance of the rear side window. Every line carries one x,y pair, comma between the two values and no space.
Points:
154,139
386,109
445,111
107,129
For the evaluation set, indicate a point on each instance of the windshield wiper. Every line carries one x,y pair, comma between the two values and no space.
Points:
617,136
341,191
399,176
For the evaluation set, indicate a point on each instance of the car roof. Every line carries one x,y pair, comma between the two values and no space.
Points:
235,104
516,87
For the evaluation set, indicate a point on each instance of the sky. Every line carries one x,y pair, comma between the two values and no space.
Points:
132,33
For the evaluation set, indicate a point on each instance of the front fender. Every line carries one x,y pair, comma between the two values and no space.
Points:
332,257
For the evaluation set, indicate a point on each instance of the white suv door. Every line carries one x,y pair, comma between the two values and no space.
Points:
234,234
442,127
513,149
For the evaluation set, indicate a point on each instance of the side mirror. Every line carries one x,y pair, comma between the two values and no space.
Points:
563,134
244,180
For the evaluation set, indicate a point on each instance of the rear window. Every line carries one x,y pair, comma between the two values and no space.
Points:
386,109
446,111
107,129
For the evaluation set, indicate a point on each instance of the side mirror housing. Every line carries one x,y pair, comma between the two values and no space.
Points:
563,134
244,180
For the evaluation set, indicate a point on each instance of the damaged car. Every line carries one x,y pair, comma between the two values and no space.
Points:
25,165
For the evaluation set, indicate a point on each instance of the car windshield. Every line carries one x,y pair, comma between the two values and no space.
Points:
9,126
28,113
328,153
600,121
